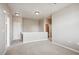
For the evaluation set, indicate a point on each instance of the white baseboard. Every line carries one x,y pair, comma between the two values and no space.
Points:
34,41
65,47
4,51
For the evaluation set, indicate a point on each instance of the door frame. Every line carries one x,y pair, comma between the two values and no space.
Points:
7,29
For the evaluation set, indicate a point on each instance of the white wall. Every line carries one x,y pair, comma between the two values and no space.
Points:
41,25
2,32
30,25
11,29
65,26
3,36
17,27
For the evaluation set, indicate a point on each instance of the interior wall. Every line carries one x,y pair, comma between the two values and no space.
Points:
65,26
11,28
41,25
17,27
3,36
48,26
30,25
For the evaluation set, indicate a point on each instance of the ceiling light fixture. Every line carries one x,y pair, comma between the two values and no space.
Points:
17,14
4,11
36,12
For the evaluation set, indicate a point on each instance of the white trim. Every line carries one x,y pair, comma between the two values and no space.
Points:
34,41
8,31
4,52
65,47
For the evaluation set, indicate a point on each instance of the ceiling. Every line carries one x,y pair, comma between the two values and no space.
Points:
27,10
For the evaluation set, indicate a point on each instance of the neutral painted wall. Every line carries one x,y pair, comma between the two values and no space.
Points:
65,26
26,25
41,25
11,28
2,32
30,25
33,30
17,27
3,36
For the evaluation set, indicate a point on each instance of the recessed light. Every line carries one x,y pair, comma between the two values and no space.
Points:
36,12
4,11
17,14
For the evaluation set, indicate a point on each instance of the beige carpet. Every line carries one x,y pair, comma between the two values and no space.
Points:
39,48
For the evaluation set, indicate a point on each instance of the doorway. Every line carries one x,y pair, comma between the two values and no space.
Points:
48,27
